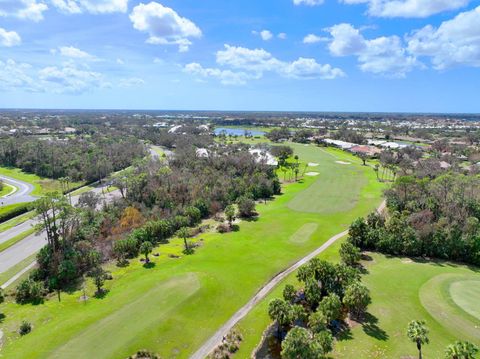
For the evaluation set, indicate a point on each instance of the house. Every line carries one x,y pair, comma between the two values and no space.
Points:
262,156
370,151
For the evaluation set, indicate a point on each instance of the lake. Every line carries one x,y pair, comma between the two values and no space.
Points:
237,131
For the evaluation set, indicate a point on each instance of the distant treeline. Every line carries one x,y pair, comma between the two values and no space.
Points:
82,158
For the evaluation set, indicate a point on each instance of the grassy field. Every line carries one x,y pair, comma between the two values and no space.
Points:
160,308
7,189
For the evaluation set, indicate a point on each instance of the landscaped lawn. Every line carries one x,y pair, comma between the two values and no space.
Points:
42,185
175,306
7,189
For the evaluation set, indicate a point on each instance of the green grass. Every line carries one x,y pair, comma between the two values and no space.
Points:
465,294
5,276
7,189
16,239
229,269
16,221
41,185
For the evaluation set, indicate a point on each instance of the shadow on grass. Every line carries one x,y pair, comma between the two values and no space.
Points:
101,294
370,327
343,331
149,265
2,317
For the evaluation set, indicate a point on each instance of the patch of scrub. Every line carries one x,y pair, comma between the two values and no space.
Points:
312,174
304,233
122,329
466,294
313,164
343,163
435,296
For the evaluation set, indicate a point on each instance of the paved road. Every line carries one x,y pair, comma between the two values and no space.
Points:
33,243
21,195
217,338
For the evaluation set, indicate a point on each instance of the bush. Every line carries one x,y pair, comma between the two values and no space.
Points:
29,291
246,207
144,354
126,248
25,328
193,214
224,228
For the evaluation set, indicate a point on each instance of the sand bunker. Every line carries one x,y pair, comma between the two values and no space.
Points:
312,173
343,163
313,164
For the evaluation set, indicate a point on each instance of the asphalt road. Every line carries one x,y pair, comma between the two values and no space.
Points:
23,194
33,243
216,339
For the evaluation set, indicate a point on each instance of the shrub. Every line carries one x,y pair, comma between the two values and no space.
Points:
25,328
144,354
223,228
246,207
29,291
126,248
193,214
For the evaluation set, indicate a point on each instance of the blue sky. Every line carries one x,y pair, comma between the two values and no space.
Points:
305,55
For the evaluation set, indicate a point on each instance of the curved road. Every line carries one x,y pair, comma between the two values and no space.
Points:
21,195
217,338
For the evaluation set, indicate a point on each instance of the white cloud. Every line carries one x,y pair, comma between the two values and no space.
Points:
312,39
9,38
226,77
75,53
164,25
282,36
408,8
382,55
91,6
264,34
15,75
243,64
120,61
23,9
308,2
70,78
454,42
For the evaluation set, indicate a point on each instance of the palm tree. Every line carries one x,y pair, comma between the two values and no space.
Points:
146,248
184,233
461,350
417,332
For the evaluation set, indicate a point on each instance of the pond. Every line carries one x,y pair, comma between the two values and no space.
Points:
237,131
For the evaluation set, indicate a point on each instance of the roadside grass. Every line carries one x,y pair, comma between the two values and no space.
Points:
16,221
16,239
5,276
7,189
229,268
5,210
41,185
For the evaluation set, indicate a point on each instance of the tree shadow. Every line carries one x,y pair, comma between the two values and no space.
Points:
251,219
149,265
2,317
235,228
101,294
370,327
343,331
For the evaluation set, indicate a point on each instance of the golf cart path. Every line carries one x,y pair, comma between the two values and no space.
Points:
216,339
22,194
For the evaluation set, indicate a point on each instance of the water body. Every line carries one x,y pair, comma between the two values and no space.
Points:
237,131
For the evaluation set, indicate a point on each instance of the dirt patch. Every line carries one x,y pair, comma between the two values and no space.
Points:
407,261
343,163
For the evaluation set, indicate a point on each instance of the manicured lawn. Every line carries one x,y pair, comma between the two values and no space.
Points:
175,306
7,189
16,221
42,185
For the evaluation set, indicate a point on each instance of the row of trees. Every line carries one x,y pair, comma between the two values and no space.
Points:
307,318
87,158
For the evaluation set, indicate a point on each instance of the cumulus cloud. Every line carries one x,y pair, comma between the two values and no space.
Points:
454,42
74,53
164,25
72,79
264,34
91,6
308,2
312,39
408,8
240,64
23,9
15,75
9,38
383,55
226,77
282,36
131,82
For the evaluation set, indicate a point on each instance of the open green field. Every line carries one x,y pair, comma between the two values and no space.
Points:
175,306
